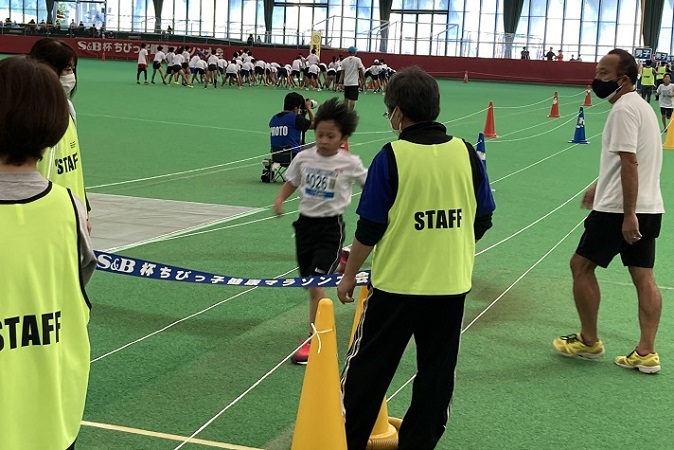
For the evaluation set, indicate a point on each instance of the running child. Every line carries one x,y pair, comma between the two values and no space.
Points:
324,175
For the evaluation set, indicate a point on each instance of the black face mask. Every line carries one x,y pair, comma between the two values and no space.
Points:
603,89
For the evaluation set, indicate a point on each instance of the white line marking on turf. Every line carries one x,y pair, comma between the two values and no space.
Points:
467,327
167,436
164,122
112,352
536,221
541,160
243,394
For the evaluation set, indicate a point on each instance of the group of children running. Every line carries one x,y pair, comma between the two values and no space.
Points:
186,66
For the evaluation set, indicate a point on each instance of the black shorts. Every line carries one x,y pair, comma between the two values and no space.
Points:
259,70
282,72
382,75
295,74
177,68
603,239
231,75
156,65
312,76
331,72
351,92
318,242
212,67
185,66
666,112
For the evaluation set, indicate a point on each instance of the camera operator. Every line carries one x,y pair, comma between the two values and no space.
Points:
287,129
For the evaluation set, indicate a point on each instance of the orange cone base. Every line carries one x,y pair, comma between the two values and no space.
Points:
387,440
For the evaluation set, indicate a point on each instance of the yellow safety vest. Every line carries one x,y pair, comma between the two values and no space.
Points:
647,77
429,244
62,164
44,344
662,70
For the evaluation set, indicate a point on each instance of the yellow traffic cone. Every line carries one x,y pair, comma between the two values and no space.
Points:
384,434
320,420
669,139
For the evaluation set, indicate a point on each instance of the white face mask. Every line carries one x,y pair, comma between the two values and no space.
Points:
400,125
68,82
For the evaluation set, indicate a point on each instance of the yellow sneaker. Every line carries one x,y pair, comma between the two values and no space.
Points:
645,364
573,345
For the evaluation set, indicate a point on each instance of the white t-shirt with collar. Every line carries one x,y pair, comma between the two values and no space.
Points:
351,65
631,127
324,182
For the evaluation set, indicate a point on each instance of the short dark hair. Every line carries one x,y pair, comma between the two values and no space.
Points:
56,54
415,93
293,100
345,118
33,110
627,65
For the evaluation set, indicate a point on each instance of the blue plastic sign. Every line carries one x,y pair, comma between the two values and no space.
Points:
643,53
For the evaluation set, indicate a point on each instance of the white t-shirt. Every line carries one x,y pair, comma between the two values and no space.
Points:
159,56
201,64
186,55
169,58
212,60
312,59
297,64
142,56
232,68
178,59
665,94
631,127
324,182
195,59
314,69
350,66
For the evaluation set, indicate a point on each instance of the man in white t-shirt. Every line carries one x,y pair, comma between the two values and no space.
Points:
351,77
626,215
664,96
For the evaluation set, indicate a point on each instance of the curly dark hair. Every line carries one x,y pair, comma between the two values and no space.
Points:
345,118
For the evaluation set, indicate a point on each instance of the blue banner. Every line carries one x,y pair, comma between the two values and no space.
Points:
124,265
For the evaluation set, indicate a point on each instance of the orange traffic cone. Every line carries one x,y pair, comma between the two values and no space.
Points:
669,139
554,110
489,128
320,421
588,96
384,434
465,77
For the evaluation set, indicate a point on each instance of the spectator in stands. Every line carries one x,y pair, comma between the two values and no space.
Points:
250,40
169,30
560,55
550,55
573,58
42,26
30,26
258,41
93,31
525,53
102,31
72,25
579,59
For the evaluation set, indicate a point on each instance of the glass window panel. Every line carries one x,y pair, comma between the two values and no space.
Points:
627,13
523,25
292,25
41,10
397,4
235,26
537,8
456,5
590,10
4,10
180,17
249,24
221,14
278,30
126,12
500,28
665,41
573,9
488,6
606,34
410,4
553,36
608,10
207,12
537,27
556,9
571,35
625,38
588,33
424,32
667,13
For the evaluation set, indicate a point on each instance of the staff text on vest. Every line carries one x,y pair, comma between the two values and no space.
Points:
67,164
30,330
437,218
